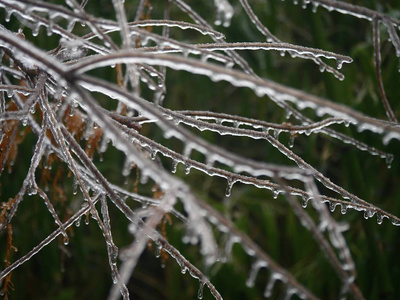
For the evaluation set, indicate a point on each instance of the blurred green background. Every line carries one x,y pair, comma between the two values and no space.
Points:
80,270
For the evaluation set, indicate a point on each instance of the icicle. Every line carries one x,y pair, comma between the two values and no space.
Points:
9,13
158,250
31,190
144,177
78,222
49,28
86,219
153,154
270,285
183,269
389,136
339,64
368,213
187,168
87,133
35,29
10,93
379,218
174,166
75,187
32,110
104,144
290,291
343,209
229,186
389,159
314,7
24,121
126,169
201,288
232,239
291,140
254,271
305,201
276,133
187,150
332,206
394,221
190,237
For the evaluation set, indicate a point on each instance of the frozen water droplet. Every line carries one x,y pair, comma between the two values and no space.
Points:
389,159
78,222
187,168
9,12
174,166
104,144
314,7
231,240
394,221
291,141
228,189
144,178
368,213
126,170
35,29
66,240
379,218
305,201
153,154
254,271
200,292
158,251
270,286
31,190
75,187
276,133
339,64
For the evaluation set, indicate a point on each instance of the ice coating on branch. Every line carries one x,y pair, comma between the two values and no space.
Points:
65,104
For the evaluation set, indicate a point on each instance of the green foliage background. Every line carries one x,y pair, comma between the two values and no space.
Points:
81,271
